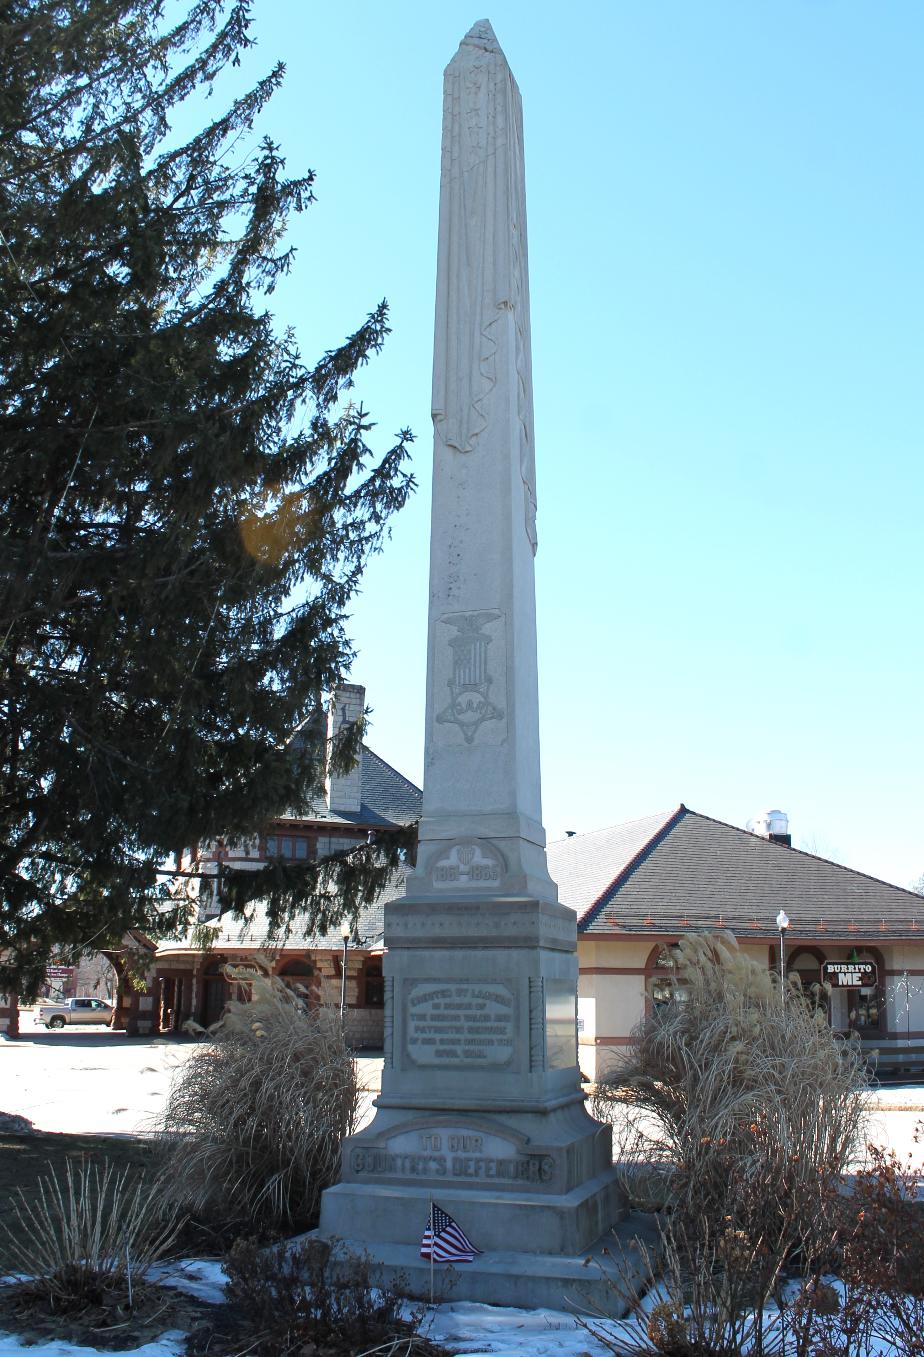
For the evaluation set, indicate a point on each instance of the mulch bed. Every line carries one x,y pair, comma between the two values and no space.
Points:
108,1323
25,1157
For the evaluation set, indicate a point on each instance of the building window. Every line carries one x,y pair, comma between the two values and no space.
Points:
287,846
661,985
373,987
804,964
866,1008
329,844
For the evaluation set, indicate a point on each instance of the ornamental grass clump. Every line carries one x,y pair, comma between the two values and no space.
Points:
90,1236
749,1110
255,1119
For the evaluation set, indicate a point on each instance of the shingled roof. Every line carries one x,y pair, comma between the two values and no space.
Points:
679,870
387,797
228,932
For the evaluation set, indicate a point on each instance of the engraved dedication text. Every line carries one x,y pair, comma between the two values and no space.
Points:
459,1024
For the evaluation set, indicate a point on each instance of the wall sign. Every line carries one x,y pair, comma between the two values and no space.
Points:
849,974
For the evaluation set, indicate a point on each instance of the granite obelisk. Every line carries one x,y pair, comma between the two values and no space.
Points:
481,1107
481,774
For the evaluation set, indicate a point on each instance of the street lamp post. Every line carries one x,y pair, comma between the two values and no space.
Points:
345,934
782,923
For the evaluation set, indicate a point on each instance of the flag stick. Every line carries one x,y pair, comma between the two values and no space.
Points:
431,1253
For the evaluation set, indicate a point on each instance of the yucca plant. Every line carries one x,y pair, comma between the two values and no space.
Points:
90,1234
255,1118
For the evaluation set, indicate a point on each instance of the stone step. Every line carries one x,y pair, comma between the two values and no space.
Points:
601,1281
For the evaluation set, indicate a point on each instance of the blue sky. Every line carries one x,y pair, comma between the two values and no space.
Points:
725,219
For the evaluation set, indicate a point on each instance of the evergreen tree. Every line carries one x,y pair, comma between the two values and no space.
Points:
186,506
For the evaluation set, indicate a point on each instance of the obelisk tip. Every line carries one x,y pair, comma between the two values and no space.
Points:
481,35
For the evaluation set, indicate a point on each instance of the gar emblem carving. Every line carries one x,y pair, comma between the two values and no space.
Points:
469,686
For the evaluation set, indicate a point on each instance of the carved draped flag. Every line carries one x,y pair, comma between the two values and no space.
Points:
443,1241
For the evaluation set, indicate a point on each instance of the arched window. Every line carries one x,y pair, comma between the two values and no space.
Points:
661,977
299,975
804,964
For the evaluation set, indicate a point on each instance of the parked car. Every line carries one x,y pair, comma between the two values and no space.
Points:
74,1012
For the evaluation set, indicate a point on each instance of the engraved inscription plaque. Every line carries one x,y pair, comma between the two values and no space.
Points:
459,1024
454,1154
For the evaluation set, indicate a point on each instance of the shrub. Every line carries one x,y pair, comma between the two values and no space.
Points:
881,1268
90,1235
750,1109
255,1119
290,1299
735,1095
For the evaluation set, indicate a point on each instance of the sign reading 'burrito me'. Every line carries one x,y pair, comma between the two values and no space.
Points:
849,974
459,1024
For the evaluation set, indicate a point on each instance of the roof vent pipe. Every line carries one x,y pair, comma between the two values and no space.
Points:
772,825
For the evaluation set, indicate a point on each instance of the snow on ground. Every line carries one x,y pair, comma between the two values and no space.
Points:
94,1081
168,1345
202,1278
468,1328
98,1081
464,1327
91,1082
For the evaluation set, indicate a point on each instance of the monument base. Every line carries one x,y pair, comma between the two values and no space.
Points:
532,1224
602,1280
481,1108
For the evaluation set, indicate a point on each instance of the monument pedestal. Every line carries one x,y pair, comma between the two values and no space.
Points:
481,1108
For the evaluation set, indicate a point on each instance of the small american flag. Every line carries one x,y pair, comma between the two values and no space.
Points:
443,1241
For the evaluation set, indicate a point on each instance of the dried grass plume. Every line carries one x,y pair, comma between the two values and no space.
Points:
255,1119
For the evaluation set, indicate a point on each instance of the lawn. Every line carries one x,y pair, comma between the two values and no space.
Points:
25,1158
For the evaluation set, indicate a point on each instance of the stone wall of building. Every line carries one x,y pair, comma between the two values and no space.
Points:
365,1028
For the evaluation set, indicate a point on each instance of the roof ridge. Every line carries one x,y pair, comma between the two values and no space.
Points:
816,857
621,824
659,834
391,768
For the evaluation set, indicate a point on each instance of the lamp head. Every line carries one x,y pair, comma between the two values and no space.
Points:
782,921
346,928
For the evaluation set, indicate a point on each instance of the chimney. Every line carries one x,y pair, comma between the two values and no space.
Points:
772,825
344,791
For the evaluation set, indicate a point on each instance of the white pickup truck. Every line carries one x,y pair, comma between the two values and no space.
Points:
74,1012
